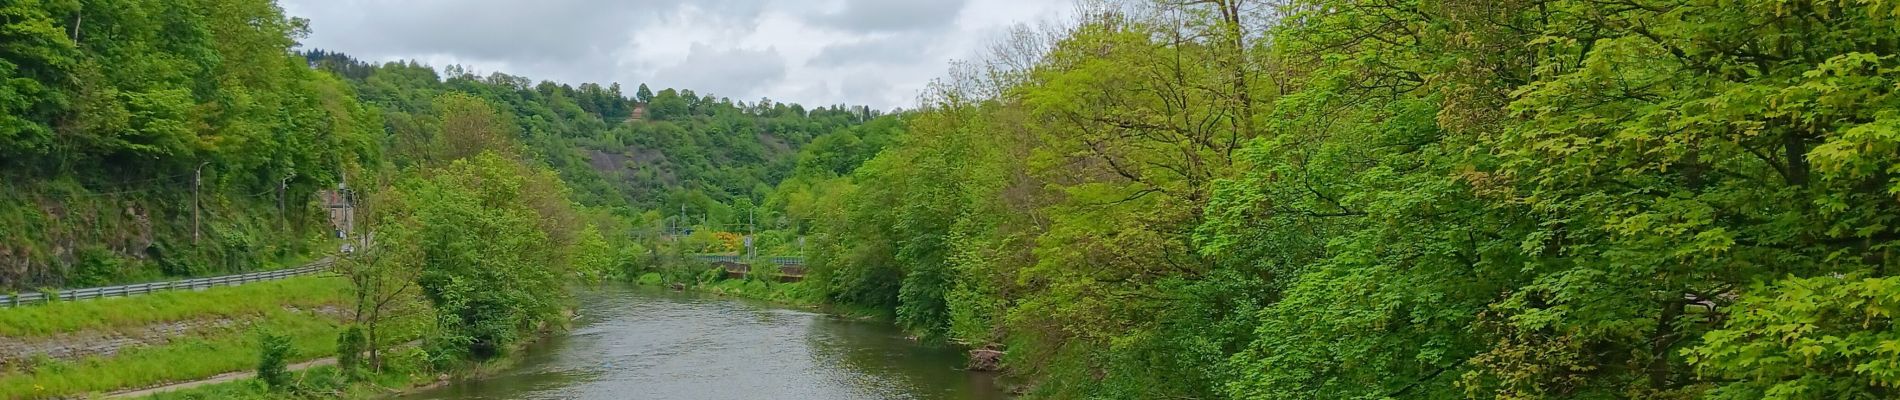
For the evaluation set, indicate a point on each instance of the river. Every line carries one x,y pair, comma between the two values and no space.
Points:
644,343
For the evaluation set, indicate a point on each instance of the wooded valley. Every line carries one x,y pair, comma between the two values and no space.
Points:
1295,199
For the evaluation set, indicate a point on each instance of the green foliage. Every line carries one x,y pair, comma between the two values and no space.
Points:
108,110
1362,199
350,345
272,351
204,354
403,370
594,258
1805,338
683,150
491,237
96,267
119,313
1376,199
651,279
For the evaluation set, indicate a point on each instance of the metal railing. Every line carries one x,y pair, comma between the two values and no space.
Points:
144,288
780,260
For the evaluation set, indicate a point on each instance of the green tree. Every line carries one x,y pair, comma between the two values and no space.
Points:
272,359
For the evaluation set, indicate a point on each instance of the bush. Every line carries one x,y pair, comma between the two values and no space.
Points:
96,266
272,367
651,278
405,360
350,345
444,350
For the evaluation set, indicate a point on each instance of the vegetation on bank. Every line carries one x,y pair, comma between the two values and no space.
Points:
229,319
1662,199
118,313
1400,199
186,138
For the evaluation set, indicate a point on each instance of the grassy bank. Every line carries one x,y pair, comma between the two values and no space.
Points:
136,311
790,293
289,307
797,294
406,369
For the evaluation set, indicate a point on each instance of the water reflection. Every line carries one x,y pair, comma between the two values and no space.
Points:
639,343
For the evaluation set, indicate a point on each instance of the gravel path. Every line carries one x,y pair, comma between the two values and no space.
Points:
225,378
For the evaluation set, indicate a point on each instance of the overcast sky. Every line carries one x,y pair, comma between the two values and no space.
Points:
815,52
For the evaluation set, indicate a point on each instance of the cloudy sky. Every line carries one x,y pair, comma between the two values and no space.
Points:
815,52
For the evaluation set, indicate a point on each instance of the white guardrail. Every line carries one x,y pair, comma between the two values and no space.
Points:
144,288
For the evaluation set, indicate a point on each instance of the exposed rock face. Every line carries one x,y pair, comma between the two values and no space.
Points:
986,359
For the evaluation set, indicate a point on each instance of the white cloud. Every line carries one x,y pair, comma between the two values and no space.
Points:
875,52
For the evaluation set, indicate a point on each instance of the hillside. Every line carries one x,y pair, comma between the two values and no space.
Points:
642,150
104,141
116,135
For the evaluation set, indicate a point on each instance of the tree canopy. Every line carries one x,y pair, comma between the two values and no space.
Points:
1401,199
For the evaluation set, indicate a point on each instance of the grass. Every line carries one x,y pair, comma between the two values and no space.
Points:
403,369
320,382
257,306
786,293
792,293
213,353
137,311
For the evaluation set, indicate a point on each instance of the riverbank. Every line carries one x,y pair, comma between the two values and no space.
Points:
790,294
69,349
406,369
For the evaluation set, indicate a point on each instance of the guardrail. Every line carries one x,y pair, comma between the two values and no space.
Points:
781,260
144,288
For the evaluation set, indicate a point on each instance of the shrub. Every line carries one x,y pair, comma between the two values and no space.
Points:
96,266
350,345
273,351
405,359
651,278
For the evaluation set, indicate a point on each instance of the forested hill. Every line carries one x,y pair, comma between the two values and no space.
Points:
1401,199
644,150
141,139
112,111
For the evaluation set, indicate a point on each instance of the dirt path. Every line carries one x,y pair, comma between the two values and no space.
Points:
224,378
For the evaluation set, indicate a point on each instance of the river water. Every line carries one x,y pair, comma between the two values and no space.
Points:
644,343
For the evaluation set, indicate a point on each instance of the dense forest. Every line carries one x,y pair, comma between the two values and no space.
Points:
1298,199
148,138
110,143
143,140
1376,199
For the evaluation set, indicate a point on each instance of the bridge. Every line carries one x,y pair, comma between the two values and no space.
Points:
790,268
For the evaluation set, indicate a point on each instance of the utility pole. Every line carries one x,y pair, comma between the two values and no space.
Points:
349,204
283,187
197,179
750,252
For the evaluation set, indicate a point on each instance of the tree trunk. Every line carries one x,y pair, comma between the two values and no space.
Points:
1661,342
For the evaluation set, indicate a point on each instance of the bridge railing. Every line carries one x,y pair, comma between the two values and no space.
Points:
153,287
779,260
